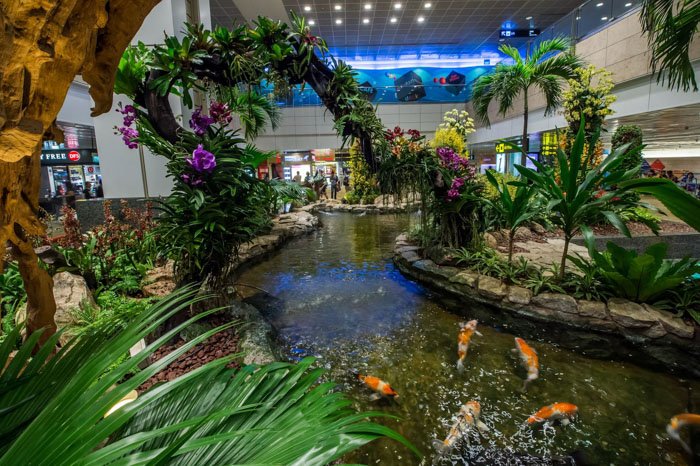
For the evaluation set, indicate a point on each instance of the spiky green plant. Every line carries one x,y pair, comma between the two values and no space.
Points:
53,406
546,67
513,209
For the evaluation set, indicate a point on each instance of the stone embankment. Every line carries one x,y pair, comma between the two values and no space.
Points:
618,329
381,206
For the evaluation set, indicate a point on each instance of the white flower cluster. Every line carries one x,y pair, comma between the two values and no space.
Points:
458,120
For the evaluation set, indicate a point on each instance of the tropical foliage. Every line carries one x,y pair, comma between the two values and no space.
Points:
513,208
670,26
114,255
362,185
277,414
632,137
588,97
642,278
443,178
579,194
545,67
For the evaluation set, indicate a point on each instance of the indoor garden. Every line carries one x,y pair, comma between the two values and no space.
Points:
432,311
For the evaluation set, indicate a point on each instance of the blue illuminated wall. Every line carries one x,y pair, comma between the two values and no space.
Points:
405,85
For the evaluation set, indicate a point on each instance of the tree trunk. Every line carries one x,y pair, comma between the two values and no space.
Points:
525,141
562,267
45,44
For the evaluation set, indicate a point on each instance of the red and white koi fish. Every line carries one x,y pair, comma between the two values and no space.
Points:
530,361
467,418
381,389
564,412
466,331
679,421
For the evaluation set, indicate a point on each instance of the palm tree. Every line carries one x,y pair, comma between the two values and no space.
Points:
545,67
670,26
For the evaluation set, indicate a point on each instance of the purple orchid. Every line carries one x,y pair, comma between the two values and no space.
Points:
129,136
130,114
220,112
200,123
202,161
191,180
451,159
453,193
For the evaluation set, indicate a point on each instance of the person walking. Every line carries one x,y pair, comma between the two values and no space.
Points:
335,183
87,192
297,178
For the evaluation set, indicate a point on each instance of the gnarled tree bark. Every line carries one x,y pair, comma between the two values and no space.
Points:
45,44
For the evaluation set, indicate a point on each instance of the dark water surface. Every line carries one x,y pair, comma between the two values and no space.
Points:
339,298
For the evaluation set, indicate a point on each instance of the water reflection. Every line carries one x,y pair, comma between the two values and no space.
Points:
340,298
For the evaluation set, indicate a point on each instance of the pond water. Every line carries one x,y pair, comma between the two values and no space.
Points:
339,298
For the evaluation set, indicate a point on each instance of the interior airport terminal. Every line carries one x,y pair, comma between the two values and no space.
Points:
313,232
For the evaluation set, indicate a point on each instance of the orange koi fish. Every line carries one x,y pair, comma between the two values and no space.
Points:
679,421
467,418
466,331
528,356
563,412
381,389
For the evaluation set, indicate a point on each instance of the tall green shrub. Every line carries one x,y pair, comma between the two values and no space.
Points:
632,136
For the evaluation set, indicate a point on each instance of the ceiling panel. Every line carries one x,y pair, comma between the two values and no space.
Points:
449,27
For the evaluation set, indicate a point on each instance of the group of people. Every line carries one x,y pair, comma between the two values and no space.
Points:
67,194
320,183
687,180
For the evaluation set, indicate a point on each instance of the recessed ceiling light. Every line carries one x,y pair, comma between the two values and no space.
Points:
578,18
365,21
368,6
338,7
338,21
628,4
393,19
604,18
501,40
311,22
528,18
600,4
428,5
420,19
307,8
397,6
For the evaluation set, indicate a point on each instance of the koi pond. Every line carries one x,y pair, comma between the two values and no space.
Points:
337,296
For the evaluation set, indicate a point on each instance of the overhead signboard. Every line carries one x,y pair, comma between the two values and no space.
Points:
323,155
510,33
69,157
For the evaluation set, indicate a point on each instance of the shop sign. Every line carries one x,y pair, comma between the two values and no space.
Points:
68,157
291,157
323,155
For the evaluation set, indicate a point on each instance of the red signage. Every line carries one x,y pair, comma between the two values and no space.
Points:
74,156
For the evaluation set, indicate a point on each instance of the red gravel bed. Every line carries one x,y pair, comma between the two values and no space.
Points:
637,229
217,346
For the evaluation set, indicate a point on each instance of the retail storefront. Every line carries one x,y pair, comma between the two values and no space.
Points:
77,166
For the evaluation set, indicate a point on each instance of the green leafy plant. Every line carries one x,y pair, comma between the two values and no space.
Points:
513,209
12,295
276,414
578,196
644,277
546,67
588,283
632,137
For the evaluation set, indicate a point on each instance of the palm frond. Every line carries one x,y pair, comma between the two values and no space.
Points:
53,407
552,89
670,26
549,47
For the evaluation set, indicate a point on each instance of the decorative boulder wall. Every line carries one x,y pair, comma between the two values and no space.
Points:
620,329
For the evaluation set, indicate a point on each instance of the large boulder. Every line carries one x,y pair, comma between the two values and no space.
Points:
594,309
70,292
519,295
671,323
629,314
556,302
492,288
